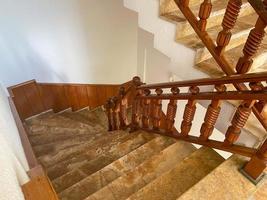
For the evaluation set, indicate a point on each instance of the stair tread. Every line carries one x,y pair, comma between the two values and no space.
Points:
116,169
96,162
215,19
210,66
56,165
225,182
240,31
131,182
184,175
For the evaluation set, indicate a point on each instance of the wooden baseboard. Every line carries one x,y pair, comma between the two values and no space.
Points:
39,188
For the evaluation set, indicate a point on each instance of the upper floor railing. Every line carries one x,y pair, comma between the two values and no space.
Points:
148,115
216,48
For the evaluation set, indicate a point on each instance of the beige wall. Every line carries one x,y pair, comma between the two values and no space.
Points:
67,41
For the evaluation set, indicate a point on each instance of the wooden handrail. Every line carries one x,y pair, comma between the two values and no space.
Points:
147,112
260,8
253,77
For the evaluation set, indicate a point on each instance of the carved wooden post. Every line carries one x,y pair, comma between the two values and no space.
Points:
256,166
189,113
251,47
211,116
136,104
109,114
122,109
171,111
229,20
157,110
204,13
146,113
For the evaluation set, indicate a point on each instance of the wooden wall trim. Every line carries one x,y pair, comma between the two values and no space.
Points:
39,188
32,98
30,156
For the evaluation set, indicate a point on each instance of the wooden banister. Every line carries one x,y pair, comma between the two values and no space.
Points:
224,37
147,112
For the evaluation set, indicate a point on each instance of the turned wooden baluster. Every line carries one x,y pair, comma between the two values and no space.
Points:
238,122
114,111
189,113
241,116
136,105
123,111
171,111
204,13
146,113
211,116
252,45
157,108
109,114
229,20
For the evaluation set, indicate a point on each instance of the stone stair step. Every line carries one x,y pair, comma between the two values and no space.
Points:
80,155
225,182
115,170
184,175
239,36
148,171
76,116
211,67
56,164
95,114
96,162
184,28
54,147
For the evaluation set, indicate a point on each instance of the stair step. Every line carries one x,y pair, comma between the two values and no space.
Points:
225,182
96,162
66,161
184,28
95,114
211,67
81,118
239,37
115,170
55,147
148,171
184,175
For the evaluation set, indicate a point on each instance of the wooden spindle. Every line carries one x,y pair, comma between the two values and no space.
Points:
171,111
157,110
136,111
122,109
251,47
229,20
204,13
146,113
241,116
109,115
189,113
211,116
238,122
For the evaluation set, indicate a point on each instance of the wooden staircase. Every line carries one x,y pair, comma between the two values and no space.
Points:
204,60
84,161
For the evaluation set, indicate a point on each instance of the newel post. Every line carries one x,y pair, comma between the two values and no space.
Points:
136,104
254,169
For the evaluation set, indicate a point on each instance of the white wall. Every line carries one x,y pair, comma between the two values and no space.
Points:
67,41
13,164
